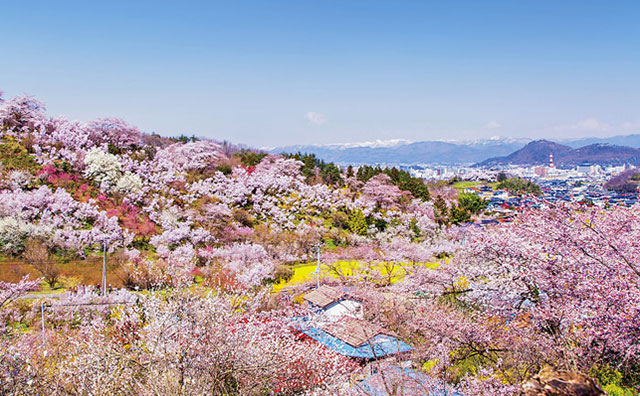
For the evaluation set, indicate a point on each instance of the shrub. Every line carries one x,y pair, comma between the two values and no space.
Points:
14,156
518,185
282,273
358,222
471,203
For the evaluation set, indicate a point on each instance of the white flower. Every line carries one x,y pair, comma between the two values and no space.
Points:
129,183
102,167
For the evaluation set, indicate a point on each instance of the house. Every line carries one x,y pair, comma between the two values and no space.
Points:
337,322
360,347
396,380
324,296
332,304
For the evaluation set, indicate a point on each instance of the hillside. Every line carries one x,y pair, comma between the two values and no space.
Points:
213,249
537,153
183,201
621,140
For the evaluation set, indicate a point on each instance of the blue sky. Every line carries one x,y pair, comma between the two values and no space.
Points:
270,73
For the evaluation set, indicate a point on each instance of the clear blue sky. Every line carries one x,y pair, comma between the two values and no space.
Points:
271,72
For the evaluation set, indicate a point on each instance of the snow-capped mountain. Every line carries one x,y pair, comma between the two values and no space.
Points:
441,152
401,151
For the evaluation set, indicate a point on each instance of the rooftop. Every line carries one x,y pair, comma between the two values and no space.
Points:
354,332
323,296
378,347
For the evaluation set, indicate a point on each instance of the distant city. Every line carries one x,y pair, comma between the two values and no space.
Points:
583,183
574,171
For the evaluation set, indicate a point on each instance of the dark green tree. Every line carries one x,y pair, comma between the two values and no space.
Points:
471,203
358,222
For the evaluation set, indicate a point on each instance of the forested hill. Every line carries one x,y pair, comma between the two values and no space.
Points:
184,200
537,153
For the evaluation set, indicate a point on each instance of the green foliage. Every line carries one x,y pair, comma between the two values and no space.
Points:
413,226
312,168
225,168
14,156
441,211
113,149
518,185
468,205
402,179
615,390
502,177
329,244
459,215
358,222
340,219
471,203
186,139
611,380
250,157
380,224
466,362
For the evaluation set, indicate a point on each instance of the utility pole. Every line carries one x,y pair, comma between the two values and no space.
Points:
44,339
317,247
104,268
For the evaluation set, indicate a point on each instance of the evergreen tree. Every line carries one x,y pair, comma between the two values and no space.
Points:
358,222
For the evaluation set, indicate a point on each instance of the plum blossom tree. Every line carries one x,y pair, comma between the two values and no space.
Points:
382,191
556,286
129,184
249,263
21,114
14,232
189,156
9,292
179,344
114,131
42,212
103,168
572,271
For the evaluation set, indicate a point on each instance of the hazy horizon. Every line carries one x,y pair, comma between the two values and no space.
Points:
270,74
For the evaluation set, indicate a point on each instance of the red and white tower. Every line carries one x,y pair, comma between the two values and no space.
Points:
551,161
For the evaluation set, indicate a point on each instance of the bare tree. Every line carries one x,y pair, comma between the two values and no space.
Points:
37,254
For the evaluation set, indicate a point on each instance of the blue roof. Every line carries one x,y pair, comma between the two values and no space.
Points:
410,381
379,346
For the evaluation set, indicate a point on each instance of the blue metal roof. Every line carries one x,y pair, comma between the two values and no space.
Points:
379,346
410,381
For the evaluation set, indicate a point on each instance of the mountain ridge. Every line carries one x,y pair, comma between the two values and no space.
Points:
564,156
447,152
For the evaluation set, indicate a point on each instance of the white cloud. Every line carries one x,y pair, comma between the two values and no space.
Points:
631,125
591,124
315,118
582,128
493,125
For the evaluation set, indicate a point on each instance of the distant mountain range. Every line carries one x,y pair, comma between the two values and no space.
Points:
537,153
496,151
409,153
